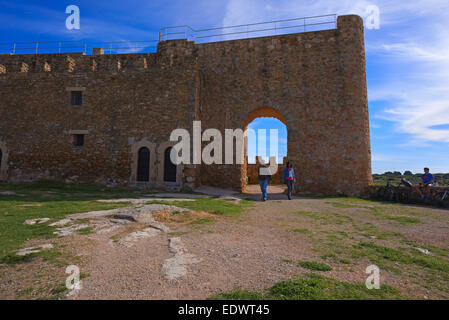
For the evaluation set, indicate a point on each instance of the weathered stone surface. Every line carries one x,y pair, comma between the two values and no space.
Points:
36,221
60,223
131,238
176,266
66,231
35,249
314,82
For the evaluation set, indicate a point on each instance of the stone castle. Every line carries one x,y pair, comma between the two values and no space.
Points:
107,118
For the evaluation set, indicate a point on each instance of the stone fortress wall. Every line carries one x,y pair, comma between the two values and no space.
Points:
313,82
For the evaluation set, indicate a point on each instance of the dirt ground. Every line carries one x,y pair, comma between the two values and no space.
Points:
253,250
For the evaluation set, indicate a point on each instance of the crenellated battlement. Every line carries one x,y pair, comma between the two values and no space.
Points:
167,53
76,62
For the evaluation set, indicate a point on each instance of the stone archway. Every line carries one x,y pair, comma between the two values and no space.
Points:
260,112
169,167
136,147
161,164
263,112
143,164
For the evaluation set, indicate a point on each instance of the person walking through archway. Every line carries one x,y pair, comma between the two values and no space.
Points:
288,177
264,178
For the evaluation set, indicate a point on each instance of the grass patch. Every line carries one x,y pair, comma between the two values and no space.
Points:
343,233
202,221
51,200
328,256
24,294
58,292
303,231
176,233
313,265
353,199
381,254
315,287
85,231
402,219
211,205
325,217
344,205
443,252
238,295
344,261
55,256
13,233
47,191
309,214
377,211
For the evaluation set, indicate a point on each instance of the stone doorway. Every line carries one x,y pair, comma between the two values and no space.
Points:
169,167
3,161
143,165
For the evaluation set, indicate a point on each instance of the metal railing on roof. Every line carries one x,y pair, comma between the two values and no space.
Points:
78,46
260,29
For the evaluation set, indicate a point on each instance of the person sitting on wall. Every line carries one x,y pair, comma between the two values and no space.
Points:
264,177
427,181
288,177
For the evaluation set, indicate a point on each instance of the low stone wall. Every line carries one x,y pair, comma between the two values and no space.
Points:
404,194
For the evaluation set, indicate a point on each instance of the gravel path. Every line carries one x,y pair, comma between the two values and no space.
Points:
222,251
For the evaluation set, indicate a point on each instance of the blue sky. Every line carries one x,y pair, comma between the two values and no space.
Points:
407,58
267,124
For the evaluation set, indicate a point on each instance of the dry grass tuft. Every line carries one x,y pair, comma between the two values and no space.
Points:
182,217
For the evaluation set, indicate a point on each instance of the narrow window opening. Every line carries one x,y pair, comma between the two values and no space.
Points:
76,98
78,140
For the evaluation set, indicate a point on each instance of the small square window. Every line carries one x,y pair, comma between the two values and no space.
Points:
76,98
78,140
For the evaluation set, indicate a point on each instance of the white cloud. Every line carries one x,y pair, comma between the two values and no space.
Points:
418,92
414,52
250,11
413,43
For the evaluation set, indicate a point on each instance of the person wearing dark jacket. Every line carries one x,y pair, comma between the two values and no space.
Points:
264,178
288,177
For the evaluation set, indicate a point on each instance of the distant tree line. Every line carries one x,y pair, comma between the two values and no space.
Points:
395,178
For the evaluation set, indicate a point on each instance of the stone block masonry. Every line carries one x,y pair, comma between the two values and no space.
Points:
314,82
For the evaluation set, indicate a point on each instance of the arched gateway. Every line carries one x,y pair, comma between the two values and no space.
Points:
262,112
314,82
